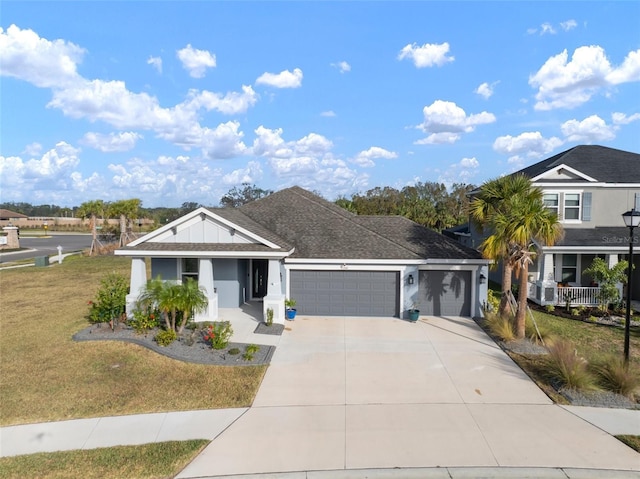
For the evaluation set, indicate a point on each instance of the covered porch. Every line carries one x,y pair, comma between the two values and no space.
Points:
559,279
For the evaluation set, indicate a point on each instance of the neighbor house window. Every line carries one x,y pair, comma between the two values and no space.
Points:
572,206
551,202
569,268
189,269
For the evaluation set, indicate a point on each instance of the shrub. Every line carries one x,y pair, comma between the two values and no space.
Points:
493,303
575,312
565,367
612,375
143,321
249,351
166,337
500,326
111,299
234,351
550,308
219,334
269,316
531,332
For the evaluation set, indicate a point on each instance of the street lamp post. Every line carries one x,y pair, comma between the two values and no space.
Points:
632,220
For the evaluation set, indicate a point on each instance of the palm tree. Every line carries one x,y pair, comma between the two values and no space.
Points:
190,299
492,200
523,227
171,298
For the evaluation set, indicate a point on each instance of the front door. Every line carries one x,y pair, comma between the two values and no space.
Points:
259,281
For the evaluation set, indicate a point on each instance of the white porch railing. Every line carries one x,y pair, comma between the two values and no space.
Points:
577,296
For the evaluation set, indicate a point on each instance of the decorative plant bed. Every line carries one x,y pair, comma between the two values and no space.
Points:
191,348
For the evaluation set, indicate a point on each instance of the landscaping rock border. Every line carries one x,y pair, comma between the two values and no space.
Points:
198,352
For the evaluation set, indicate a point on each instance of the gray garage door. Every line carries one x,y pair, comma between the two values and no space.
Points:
345,293
445,293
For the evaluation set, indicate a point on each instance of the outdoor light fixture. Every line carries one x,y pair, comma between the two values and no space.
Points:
410,279
631,220
483,278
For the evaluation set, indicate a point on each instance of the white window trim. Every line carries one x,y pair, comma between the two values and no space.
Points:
561,204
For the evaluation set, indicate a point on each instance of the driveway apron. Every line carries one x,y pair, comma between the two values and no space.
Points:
356,393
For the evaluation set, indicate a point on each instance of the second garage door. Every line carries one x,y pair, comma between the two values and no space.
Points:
445,293
345,293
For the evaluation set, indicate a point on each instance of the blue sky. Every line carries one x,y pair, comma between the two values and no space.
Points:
181,101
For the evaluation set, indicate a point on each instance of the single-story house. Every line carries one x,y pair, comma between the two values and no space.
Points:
295,244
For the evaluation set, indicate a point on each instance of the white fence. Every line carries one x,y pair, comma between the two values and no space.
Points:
576,296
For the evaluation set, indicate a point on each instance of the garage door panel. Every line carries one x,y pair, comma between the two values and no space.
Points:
445,293
346,293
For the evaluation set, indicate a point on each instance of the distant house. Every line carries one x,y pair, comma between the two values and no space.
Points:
294,244
8,215
588,187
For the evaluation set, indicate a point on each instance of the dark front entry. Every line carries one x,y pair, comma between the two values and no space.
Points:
346,293
259,270
445,293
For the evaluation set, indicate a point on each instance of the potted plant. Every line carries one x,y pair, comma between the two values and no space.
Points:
289,304
414,313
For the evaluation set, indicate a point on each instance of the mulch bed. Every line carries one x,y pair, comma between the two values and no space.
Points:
275,329
189,347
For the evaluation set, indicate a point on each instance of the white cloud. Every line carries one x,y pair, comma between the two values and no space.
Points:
343,67
155,62
568,25
39,178
365,158
547,28
250,174
527,145
230,104
284,79
461,172
486,90
589,130
196,61
123,141
567,84
33,149
426,55
446,122
45,64
622,119
328,114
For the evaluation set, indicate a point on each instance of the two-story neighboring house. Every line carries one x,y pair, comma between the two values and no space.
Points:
589,188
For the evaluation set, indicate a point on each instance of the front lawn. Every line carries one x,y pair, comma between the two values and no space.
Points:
148,461
45,376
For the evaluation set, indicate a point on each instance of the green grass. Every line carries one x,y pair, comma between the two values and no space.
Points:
149,461
46,376
632,441
590,341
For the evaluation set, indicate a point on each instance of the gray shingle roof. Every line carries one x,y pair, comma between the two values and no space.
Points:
604,236
321,229
602,163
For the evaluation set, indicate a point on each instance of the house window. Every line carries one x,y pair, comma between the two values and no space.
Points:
572,206
189,269
551,202
569,268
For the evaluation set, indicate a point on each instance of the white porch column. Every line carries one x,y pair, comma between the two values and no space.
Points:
546,267
548,284
274,298
137,283
612,260
206,283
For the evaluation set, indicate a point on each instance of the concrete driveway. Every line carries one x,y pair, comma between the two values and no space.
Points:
360,393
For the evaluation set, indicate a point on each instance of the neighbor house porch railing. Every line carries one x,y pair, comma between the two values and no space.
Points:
548,292
578,295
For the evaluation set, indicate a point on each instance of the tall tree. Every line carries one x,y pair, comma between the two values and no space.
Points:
239,196
527,225
493,199
92,209
127,210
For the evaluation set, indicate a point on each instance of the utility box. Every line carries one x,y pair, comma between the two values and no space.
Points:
42,261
